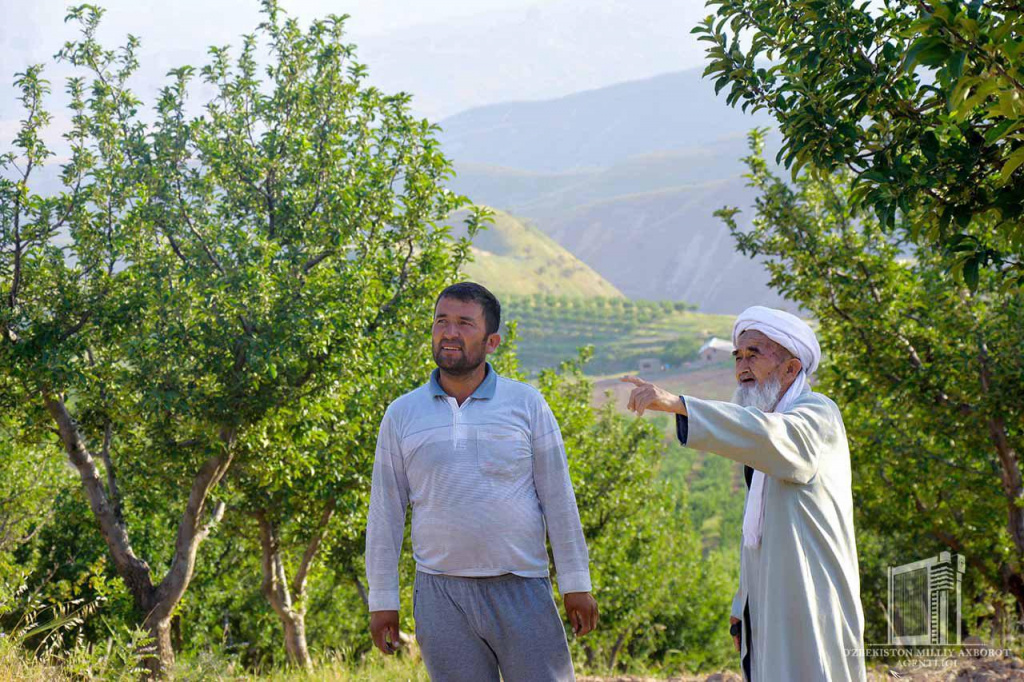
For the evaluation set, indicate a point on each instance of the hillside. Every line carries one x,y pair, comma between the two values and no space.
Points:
622,332
668,245
544,194
627,178
514,257
662,244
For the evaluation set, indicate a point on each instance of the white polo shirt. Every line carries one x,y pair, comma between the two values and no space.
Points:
483,479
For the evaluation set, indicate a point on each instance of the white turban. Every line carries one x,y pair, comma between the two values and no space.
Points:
785,329
793,334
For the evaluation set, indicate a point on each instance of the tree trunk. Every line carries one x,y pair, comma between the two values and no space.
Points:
590,655
363,596
156,603
1010,475
294,622
288,599
275,589
158,654
613,657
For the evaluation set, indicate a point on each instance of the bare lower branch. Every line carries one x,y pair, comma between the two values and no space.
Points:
115,495
275,585
192,529
299,584
134,570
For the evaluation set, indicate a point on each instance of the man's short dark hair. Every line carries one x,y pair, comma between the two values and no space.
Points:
471,291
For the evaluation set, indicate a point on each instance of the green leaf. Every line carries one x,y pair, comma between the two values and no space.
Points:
1013,162
956,64
971,273
926,51
1000,129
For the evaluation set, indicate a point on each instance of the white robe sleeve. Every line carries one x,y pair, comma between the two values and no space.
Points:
784,446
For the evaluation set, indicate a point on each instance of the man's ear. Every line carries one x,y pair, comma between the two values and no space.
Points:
493,341
793,367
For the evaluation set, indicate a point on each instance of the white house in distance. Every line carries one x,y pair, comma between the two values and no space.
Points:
716,349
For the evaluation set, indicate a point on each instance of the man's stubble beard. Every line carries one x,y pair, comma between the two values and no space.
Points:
466,363
763,396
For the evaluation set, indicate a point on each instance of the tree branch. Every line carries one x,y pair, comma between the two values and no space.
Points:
115,495
275,585
403,279
299,583
133,570
192,529
316,260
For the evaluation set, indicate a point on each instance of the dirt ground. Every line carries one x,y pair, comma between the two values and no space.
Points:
966,670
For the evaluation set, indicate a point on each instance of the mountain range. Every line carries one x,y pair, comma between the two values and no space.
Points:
627,178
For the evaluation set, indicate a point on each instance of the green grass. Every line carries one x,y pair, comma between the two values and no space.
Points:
395,670
373,667
552,328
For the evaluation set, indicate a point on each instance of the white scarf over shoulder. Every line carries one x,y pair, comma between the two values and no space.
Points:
796,336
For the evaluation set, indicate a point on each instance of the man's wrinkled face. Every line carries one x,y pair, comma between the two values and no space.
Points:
757,358
460,340
764,370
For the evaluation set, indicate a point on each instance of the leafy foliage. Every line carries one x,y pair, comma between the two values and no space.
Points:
207,318
646,559
197,275
921,100
928,375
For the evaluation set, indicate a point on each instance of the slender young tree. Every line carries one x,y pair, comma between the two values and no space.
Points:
307,493
195,273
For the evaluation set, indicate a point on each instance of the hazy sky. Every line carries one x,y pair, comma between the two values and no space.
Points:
450,54
33,29
220,20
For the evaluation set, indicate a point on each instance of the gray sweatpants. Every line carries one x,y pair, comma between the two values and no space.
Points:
470,628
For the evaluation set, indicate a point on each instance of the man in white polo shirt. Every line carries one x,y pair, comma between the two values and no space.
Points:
480,459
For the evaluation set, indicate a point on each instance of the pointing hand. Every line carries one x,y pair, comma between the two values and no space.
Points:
647,396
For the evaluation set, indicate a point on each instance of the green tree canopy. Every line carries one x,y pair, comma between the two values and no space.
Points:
196,273
927,373
649,573
921,100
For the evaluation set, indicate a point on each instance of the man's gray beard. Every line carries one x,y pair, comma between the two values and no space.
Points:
763,396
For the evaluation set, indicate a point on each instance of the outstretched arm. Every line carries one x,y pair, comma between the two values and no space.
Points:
785,446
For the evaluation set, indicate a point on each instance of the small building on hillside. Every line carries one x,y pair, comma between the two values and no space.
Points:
716,349
648,364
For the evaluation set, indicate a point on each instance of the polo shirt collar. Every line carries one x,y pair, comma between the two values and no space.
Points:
485,391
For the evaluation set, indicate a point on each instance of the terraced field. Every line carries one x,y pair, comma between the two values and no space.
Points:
622,332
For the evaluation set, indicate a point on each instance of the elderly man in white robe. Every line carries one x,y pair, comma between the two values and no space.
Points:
798,605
